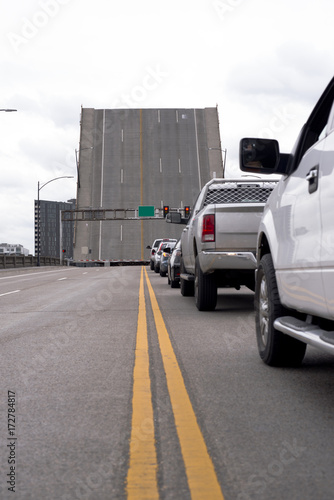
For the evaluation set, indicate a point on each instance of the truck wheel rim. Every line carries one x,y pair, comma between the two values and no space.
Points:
264,311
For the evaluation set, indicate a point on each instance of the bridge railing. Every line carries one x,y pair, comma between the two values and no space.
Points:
13,261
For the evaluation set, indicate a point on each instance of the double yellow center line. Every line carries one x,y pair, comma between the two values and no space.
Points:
143,466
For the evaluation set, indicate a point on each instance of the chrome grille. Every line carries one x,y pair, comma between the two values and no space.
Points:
238,194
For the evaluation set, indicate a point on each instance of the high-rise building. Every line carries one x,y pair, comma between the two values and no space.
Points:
55,238
140,157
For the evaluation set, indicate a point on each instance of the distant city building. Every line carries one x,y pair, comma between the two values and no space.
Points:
140,157
54,238
9,249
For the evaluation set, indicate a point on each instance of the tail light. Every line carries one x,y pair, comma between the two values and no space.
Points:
208,230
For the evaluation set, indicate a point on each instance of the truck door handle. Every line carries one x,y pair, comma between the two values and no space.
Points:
312,178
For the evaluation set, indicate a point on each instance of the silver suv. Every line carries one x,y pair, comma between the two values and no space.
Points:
153,249
294,295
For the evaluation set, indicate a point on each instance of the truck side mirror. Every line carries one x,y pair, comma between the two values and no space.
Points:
259,155
174,217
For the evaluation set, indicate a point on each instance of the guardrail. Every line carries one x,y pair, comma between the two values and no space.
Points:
14,261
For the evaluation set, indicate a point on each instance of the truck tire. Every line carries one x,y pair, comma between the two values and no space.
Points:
205,289
187,287
275,348
174,283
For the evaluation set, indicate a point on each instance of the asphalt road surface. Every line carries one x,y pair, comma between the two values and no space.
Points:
114,386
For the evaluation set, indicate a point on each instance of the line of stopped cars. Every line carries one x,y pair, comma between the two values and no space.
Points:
165,258
288,259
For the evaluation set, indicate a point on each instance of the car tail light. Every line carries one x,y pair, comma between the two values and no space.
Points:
208,230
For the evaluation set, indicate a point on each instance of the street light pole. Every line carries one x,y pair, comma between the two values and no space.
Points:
77,162
224,160
39,211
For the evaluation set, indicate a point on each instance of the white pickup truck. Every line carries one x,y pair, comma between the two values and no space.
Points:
219,241
294,295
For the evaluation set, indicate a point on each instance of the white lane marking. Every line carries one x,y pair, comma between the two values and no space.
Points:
32,274
8,293
197,150
61,279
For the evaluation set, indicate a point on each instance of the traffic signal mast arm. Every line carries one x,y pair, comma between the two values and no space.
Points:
100,214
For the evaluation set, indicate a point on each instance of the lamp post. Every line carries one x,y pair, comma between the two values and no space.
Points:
77,162
39,214
224,160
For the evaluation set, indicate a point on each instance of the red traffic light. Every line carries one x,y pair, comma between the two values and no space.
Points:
166,210
187,211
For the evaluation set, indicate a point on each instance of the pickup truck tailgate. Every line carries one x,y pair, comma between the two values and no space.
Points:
238,206
236,228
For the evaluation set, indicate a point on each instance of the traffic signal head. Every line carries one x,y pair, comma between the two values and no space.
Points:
187,212
166,210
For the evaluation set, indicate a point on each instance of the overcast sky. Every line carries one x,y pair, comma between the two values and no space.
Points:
263,62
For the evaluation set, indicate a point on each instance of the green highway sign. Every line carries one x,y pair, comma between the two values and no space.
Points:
146,211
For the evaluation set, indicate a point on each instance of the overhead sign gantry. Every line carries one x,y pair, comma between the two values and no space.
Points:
101,214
